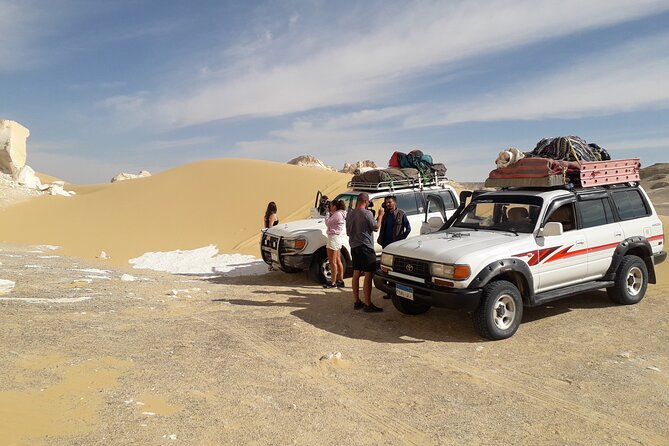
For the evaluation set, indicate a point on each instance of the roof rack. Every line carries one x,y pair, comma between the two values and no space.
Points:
392,185
590,174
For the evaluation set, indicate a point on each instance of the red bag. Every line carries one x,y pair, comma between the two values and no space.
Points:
395,160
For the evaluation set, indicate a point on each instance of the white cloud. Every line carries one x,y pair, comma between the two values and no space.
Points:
628,78
371,65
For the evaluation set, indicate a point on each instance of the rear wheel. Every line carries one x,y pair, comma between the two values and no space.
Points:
407,306
500,311
631,281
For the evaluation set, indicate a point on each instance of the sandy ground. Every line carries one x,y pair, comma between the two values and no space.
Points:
214,202
90,359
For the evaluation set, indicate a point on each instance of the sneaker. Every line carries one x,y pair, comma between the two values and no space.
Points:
329,285
358,305
371,308
340,284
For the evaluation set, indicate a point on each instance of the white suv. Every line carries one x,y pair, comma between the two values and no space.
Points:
300,245
513,248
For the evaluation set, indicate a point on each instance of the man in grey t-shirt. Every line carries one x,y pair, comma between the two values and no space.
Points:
360,225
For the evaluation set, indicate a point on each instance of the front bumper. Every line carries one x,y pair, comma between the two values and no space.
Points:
286,261
659,257
462,299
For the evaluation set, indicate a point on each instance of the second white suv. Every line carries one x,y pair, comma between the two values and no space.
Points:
300,245
524,247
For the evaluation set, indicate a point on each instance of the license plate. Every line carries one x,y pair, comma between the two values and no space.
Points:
404,291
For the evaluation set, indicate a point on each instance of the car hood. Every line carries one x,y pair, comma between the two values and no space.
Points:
458,246
298,227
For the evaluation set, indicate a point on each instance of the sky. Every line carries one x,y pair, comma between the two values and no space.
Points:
131,85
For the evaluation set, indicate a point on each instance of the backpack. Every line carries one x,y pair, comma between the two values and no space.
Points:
395,159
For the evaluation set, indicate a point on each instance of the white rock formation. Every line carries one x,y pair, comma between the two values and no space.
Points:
6,286
26,177
310,161
130,176
359,167
13,138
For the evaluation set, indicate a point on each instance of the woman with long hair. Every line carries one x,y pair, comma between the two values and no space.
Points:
271,218
336,224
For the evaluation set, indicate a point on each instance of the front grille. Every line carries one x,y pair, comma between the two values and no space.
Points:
412,267
270,241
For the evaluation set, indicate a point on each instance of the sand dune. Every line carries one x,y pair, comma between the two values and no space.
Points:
219,202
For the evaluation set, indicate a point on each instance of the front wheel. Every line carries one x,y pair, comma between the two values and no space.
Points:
320,271
631,281
500,311
407,306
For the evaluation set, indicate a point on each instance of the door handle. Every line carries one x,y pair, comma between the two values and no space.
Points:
617,234
580,242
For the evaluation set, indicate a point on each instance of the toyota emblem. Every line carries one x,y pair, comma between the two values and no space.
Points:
409,267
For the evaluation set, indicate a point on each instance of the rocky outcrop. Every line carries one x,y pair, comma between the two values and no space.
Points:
130,176
310,161
359,167
13,138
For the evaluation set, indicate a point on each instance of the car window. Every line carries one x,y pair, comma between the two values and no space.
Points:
447,196
499,216
630,204
595,212
407,202
565,215
348,199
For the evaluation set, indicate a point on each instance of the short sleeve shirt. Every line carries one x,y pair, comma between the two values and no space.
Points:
360,226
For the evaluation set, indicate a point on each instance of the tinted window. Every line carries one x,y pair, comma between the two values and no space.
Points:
595,212
565,215
449,202
630,204
407,202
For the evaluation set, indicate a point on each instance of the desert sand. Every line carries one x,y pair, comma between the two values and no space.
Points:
96,352
215,202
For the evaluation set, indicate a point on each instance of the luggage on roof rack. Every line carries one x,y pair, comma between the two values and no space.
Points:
393,179
545,172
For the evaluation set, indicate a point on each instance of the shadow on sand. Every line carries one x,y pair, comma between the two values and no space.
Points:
332,310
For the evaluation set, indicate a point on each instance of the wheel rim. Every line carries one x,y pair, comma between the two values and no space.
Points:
504,311
327,272
634,281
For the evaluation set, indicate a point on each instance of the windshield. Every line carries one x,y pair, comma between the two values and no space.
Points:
500,215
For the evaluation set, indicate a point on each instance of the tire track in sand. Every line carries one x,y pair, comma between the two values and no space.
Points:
547,398
385,421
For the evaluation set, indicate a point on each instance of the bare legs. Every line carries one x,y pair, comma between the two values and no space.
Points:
332,258
366,286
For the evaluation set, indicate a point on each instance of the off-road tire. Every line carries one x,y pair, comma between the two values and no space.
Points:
631,281
320,271
407,306
500,311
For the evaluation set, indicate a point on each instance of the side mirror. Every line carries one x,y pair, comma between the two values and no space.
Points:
551,228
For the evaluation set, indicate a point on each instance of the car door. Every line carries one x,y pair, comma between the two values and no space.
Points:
563,259
602,232
412,205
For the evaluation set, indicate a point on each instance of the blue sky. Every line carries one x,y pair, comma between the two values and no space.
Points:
127,85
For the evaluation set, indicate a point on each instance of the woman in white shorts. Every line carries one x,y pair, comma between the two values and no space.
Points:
336,224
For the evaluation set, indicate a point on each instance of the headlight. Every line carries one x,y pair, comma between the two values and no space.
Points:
298,244
456,272
386,259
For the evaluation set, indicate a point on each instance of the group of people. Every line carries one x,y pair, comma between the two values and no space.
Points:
360,225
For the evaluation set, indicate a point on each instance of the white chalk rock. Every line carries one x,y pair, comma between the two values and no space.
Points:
26,177
6,286
130,176
13,138
103,255
127,278
359,167
310,161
